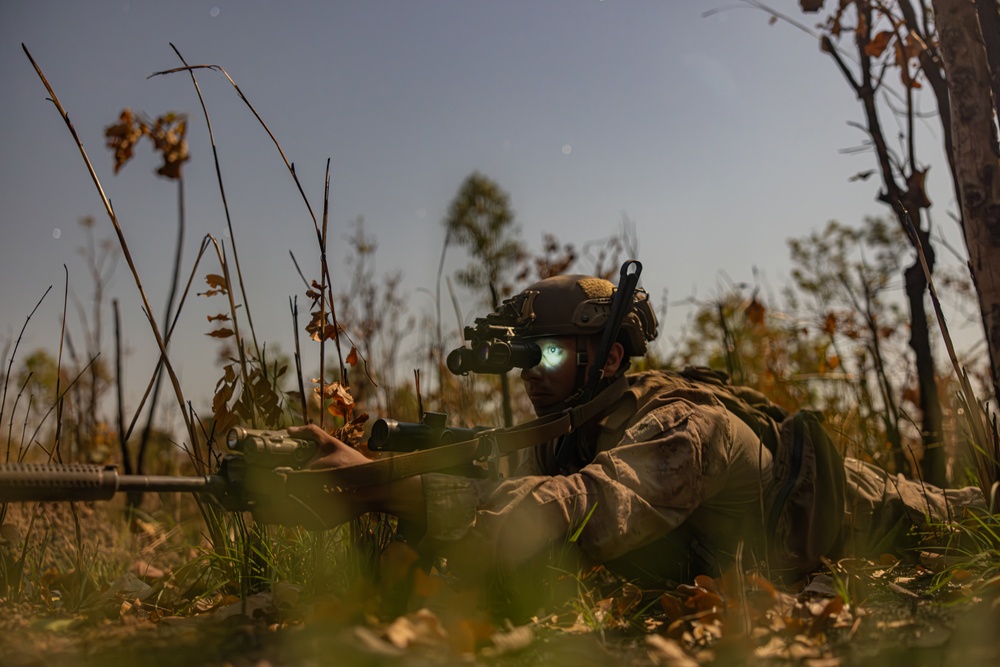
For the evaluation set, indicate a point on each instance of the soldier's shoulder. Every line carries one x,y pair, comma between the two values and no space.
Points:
662,387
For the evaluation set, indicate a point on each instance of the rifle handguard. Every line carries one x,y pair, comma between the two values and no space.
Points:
50,482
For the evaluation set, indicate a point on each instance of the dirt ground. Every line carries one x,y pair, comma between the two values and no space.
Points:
890,628
858,613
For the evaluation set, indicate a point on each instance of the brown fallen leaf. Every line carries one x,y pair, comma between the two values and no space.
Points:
510,641
663,651
421,627
146,571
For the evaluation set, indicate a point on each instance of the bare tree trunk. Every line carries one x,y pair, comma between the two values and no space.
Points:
935,461
906,201
977,155
989,23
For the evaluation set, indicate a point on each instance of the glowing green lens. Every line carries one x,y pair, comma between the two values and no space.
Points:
553,355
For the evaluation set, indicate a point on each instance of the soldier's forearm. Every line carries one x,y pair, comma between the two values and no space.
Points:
403,498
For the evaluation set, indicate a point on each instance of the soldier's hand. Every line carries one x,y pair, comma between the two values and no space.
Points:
403,498
315,509
330,452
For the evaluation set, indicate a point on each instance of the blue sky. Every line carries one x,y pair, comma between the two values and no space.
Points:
720,136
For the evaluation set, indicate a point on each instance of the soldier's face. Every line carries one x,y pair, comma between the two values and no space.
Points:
553,379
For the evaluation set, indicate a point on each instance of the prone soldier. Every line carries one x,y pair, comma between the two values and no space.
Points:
665,481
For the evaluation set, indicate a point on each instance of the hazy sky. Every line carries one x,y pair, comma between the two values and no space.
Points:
719,136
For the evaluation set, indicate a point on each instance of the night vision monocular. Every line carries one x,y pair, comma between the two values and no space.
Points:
492,349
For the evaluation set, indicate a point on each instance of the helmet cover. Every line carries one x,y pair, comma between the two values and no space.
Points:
572,305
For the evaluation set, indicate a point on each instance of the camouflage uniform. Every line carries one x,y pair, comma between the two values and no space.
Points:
671,478
675,482
888,513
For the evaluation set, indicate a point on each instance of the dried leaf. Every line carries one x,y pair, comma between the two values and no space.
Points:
755,312
700,598
221,400
832,608
122,137
888,560
243,407
665,651
811,6
420,627
706,582
511,641
671,607
627,599
220,333
167,134
916,191
316,325
144,570
763,584
353,432
264,396
911,393
912,48
221,317
877,46
341,401
315,292
829,323
216,281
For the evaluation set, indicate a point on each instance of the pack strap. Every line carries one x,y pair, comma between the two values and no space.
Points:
486,446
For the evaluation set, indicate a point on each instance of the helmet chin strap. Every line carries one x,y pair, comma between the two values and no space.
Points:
582,361
569,448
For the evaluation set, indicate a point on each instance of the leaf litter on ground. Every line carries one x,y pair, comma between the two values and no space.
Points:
854,612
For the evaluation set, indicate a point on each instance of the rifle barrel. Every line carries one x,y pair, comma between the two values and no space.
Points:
20,482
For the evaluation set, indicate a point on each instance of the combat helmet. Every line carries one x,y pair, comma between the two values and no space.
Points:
567,305
574,305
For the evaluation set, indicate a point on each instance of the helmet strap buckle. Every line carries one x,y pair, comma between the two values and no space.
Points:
582,354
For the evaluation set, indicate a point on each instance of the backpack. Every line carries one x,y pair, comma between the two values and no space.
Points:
804,504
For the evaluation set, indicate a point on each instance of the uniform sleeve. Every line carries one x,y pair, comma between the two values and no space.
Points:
628,497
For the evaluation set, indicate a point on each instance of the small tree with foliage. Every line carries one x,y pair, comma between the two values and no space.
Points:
480,220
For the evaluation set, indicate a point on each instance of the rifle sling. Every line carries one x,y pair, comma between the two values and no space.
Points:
496,442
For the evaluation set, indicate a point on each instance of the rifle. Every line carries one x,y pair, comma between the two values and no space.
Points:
256,460
265,471
389,435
